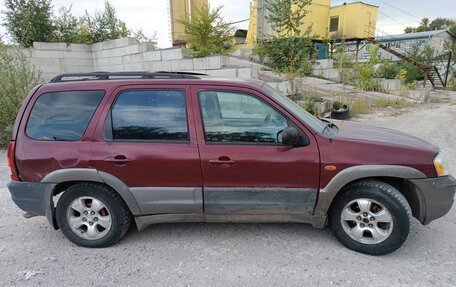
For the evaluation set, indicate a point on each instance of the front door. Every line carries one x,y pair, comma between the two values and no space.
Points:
146,139
247,170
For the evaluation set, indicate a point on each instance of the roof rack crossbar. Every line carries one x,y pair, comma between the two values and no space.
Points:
93,76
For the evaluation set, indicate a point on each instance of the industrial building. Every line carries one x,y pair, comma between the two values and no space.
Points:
349,21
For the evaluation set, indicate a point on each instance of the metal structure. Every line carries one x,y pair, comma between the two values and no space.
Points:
436,71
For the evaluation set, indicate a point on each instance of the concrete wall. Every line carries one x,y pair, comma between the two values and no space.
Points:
389,85
127,54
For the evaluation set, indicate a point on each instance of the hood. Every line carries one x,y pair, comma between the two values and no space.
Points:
373,134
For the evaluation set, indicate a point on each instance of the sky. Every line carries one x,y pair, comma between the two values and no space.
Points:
152,15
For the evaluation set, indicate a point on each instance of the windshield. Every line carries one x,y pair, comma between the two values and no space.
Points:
312,121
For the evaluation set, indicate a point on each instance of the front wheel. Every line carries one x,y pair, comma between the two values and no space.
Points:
371,217
92,215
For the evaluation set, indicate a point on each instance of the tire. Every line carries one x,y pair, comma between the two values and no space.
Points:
386,226
99,216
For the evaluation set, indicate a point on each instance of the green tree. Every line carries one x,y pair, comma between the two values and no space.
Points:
367,70
207,33
28,21
289,49
453,29
67,27
141,37
287,16
409,30
18,77
439,23
105,25
424,25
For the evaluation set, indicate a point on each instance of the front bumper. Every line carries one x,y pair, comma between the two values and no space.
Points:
34,198
437,195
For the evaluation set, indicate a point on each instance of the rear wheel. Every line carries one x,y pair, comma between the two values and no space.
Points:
92,215
371,217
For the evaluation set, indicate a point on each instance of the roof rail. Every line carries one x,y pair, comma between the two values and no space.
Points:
93,76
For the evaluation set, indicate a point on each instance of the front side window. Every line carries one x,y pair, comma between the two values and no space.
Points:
293,107
231,117
150,115
62,116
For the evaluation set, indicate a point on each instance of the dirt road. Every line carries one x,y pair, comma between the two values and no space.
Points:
33,254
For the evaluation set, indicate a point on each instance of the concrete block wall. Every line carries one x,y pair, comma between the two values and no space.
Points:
127,54
56,58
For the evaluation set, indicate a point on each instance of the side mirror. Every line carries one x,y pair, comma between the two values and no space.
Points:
290,136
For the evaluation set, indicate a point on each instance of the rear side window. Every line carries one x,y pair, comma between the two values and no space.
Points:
62,116
150,115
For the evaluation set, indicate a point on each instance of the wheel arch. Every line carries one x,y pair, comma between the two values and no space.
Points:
64,178
397,176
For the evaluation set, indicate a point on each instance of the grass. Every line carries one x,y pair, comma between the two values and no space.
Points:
436,100
357,105
366,105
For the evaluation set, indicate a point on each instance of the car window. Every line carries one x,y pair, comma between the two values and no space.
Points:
62,116
150,115
231,117
294,108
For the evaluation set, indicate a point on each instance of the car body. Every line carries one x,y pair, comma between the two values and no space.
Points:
187,148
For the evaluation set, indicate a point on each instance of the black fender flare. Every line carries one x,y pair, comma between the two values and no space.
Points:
92,175
327,194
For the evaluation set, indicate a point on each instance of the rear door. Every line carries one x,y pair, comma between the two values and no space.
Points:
246,168
146,139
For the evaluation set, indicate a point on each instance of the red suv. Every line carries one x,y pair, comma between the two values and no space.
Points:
94,151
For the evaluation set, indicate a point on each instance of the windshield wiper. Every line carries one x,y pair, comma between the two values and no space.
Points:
59,139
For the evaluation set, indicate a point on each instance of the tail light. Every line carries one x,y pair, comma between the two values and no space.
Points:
12,162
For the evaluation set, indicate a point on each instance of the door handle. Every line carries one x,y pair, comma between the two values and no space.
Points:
224,161
118,160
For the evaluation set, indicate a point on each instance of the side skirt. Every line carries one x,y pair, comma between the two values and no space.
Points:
142,222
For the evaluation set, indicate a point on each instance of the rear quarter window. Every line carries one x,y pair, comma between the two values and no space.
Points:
62,116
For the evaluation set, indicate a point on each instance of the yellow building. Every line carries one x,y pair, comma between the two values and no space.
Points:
352,21
180,9
317,17
348,21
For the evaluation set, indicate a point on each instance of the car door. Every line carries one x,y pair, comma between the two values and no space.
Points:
146,139
247,171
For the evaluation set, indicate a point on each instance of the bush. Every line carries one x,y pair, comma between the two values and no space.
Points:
451,85
341,58
367,71
207,33
288,49
388,70
18,78
289,55
393,70
349,76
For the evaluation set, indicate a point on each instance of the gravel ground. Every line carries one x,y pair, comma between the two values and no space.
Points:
33,254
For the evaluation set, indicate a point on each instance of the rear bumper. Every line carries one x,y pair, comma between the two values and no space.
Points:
438,196
34,198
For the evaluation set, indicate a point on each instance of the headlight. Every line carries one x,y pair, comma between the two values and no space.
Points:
441,165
